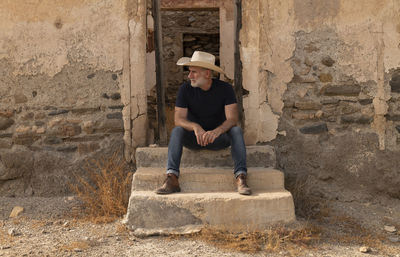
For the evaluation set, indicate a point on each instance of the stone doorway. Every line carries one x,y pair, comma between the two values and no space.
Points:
188,26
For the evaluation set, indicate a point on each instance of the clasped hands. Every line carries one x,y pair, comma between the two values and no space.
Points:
206,137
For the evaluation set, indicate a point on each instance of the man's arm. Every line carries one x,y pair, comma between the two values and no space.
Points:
232,118
182,121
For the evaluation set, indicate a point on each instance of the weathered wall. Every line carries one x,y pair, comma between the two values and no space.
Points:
323,79
61,65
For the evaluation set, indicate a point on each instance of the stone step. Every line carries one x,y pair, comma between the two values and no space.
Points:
230,210
208,179
257,156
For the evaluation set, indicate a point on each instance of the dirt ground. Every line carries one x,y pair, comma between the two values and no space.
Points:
46,228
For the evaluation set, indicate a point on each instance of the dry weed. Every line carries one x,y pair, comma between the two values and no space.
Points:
74,246
271,240
104,194
307,205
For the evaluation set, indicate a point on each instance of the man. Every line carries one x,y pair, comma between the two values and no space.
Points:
206,117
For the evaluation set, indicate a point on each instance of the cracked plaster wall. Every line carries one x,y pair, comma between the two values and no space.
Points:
65,88
322,78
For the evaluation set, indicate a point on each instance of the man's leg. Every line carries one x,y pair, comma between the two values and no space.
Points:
179,137
171,183
238,150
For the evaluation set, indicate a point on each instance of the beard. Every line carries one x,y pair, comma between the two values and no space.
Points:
199,82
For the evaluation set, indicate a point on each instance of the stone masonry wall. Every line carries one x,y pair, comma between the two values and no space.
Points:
329,75
61,66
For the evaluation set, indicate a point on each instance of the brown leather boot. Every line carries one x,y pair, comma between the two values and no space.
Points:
242,186
171,185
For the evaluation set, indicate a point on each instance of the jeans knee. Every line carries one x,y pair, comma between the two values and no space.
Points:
177,130
236,131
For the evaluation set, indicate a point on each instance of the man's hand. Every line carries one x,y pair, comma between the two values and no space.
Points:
199,132
210,136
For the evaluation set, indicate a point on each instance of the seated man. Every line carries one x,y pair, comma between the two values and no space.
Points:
206,117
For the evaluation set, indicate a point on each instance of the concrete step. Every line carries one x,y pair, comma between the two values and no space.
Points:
257,156
230,210
208,179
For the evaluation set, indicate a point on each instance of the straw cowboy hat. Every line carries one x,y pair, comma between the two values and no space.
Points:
200,59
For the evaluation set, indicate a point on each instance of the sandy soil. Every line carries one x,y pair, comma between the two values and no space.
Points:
45,228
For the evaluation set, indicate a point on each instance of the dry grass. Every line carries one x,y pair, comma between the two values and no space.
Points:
104,194
74,246
272,240
307,205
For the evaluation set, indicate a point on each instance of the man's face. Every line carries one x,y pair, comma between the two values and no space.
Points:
198,76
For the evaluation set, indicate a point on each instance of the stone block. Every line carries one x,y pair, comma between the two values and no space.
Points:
85,148
341,90
25,138
356,118
395,82
5,143
68,130
325,77
58,112
209,179
5,123
20,98
6,113
115,115
258,211
67,148
110,126
365,101
308,105
393,117
314,129
88,110
257,156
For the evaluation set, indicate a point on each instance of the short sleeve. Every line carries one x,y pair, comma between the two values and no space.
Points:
181,100
230,97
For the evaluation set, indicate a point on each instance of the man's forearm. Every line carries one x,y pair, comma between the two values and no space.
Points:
226,125
186,124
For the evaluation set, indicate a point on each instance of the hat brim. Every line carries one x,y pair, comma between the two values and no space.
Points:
185,61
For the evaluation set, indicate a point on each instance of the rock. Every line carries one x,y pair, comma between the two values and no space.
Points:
115,115
4,247
58,112
365,249
314,129
344,90
394,239
183,230
17,210
78,250
325,77
5,123
20,98
65,224
114,76
67,148
327,61
390,229
365,101
115,96
90,76
307,105
395,83
398,128
12,232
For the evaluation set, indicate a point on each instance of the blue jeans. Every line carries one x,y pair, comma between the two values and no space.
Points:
181,137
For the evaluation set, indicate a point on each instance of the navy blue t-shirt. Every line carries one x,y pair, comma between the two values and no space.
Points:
206,108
